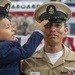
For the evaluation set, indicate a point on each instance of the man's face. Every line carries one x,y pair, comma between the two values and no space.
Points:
6,31
54,33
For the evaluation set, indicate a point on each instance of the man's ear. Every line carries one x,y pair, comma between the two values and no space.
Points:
66,30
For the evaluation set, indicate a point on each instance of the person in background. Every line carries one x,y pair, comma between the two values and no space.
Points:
32,26
24,27
54,58
11,52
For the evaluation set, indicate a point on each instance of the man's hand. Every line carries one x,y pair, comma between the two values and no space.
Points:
41,26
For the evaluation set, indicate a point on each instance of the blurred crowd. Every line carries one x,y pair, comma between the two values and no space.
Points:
23,25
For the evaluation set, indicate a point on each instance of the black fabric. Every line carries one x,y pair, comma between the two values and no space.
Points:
3,11
55,17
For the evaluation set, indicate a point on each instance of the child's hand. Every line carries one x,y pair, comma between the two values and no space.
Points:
41,25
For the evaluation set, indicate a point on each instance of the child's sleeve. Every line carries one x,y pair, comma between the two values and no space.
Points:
12,51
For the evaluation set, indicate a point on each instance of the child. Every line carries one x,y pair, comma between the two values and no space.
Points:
11,52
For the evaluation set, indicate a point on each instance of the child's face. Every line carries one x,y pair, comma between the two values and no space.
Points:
6,31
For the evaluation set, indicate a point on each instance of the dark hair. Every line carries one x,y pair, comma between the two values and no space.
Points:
2,17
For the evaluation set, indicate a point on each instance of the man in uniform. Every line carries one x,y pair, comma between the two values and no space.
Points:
54,58
11,52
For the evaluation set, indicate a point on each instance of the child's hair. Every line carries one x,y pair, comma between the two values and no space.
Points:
1,17
4,16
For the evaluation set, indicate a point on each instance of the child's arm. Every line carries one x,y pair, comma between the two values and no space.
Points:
11,51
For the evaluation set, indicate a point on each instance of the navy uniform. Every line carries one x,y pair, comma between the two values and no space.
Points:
39,63
11,52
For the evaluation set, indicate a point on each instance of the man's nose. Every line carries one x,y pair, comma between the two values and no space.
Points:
12,28
52,28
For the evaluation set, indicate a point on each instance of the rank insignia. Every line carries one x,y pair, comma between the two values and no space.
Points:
51,9
7,6
66,73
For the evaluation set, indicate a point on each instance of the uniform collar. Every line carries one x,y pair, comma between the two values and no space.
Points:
67,56
39,54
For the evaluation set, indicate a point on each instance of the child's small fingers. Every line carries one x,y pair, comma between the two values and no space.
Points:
44,22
